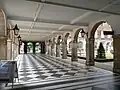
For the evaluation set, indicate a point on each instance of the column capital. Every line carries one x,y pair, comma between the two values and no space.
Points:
9,40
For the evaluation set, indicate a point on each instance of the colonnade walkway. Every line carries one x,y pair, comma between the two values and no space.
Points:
42,72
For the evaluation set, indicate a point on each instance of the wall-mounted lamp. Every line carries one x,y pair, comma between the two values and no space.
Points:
16,30
19,39
83,33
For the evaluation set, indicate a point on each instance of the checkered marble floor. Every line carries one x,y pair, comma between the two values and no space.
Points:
42,72
41,67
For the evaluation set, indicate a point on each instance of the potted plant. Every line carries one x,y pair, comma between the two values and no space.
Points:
101,52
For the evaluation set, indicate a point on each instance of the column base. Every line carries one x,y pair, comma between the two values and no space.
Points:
90,63
116,70
64,57
74,59
57,55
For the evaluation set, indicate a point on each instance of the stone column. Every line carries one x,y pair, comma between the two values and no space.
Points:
34,44
3,48
19,48
58,50
49,49
25,47
90,52
9,49
43,46
14,50
64,51
74,52
16,46
53,49
116,46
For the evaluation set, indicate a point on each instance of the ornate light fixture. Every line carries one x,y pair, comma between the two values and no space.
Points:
83,33
16,30
19,39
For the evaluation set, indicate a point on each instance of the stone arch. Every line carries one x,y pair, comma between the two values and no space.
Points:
3,30
90,43
75,38
70,44
58,40
94,28
66,37
10,34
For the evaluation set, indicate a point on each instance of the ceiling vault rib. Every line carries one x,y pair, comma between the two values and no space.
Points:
38,10
73,6
90,12
45,21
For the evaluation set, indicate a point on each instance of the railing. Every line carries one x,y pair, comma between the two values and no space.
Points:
8,71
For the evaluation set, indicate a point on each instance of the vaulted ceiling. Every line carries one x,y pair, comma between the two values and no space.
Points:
41,19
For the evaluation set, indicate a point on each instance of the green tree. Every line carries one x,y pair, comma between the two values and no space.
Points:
101,52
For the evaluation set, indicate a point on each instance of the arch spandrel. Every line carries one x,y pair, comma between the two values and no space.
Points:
58,39
93,27
3,29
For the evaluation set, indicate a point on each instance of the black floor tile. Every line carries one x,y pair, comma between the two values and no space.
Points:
72,74
57,75
42,77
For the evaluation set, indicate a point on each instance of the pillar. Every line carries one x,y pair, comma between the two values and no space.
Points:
57,50
9,49
43,47
90,52
3,48
53,49
64,51
116,45
49,48
74,52
19,48
34,45
25,47
15,47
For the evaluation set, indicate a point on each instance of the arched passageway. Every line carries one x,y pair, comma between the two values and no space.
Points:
99,36
37,47
29,47
3,33
105,40
78,45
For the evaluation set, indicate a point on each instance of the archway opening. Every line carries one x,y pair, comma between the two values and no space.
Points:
29,47
22,48
101,45
37,48
103,40
81,46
